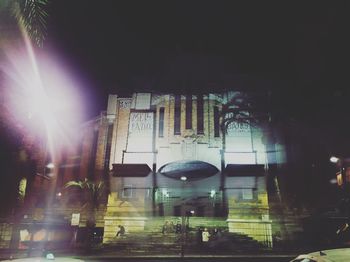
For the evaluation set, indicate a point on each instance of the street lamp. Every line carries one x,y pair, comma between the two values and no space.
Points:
340,175
334,159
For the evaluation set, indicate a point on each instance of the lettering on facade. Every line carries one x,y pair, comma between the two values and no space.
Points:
140,122
238,127
239,137
140,131
125,103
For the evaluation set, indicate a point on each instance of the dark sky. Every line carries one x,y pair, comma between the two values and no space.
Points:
301,48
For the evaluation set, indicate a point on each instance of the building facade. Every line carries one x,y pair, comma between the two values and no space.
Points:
162,157
169,159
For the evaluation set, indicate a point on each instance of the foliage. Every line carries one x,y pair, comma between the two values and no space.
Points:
93,189
31,14
244,108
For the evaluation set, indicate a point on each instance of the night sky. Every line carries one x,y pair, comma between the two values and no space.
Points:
297,49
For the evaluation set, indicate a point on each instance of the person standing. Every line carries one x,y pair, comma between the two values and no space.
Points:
178,228
165,227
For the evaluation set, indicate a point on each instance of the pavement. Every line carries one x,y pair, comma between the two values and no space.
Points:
113,255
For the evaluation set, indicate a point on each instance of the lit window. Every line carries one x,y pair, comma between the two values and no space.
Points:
161,122
247,194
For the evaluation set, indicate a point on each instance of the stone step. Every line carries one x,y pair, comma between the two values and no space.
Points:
171,243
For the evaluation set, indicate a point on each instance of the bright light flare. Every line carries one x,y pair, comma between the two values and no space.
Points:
334,159
42,98
50,165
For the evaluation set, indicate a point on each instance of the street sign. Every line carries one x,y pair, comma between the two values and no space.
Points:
75,219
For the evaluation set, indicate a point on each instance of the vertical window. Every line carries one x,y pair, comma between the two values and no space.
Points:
177,211
200,124
177,115
127,192
161,209
189,112
216,122
108,146
247,194
161,122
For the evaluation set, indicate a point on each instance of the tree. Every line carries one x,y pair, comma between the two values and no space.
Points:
93,194
240,108
30,14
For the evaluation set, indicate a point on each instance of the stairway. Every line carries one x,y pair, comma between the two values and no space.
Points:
147,243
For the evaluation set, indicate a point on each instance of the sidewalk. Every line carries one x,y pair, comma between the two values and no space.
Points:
99,253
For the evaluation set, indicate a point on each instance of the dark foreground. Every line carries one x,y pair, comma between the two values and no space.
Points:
195,259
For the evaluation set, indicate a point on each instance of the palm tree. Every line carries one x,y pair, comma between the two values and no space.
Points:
30,15
241,108
93,194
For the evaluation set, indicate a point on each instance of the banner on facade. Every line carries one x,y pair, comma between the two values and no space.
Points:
140,138
239,137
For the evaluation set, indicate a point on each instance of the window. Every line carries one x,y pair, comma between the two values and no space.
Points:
108,146
148,193
200,124
161,209
247,194
189,112
177,211
216,122
161,122
127,192
177,115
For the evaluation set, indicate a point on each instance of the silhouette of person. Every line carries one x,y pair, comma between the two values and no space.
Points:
121,230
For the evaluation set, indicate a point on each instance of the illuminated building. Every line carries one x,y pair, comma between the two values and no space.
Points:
165,153
161,156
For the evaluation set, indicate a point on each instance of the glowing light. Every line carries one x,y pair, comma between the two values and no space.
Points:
333,181
50,165
192,212
183,178
165,192
212,193
59,194
41,97
334,159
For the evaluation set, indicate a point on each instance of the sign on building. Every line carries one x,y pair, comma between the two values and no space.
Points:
239,137
140,137
75,219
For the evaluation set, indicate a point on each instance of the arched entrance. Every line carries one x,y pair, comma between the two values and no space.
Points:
188,188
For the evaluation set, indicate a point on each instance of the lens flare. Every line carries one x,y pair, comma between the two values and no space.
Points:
41,97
